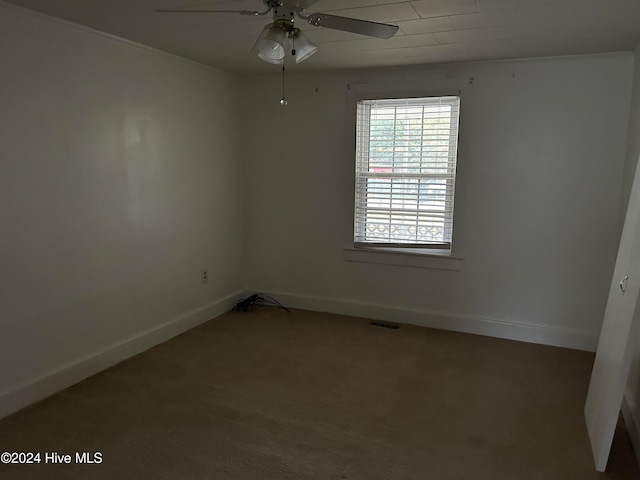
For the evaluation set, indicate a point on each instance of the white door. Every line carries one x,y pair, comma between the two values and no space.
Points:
613,357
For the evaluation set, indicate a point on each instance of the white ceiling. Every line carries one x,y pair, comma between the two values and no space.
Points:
431,31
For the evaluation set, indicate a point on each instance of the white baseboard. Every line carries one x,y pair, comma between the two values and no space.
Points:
560,337
77,370
629,413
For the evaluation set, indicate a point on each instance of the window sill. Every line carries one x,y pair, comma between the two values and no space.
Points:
417,258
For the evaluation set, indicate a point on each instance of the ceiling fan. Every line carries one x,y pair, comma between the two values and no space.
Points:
274,39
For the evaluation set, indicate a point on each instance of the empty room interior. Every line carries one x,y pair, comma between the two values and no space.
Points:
359,239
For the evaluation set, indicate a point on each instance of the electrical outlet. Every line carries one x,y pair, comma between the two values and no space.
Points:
204,276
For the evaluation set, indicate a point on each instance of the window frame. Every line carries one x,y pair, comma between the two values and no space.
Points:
431,249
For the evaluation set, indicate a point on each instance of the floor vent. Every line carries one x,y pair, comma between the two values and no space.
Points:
392,326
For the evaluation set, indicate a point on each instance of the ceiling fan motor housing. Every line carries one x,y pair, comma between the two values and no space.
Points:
283,13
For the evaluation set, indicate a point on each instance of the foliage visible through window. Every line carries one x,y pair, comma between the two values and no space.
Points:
406,153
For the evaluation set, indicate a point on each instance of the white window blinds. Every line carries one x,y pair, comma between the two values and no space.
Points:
406,153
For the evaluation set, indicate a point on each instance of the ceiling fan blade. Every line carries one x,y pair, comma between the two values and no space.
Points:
300,4
363,27
241,12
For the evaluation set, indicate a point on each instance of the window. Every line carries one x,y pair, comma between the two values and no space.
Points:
406,152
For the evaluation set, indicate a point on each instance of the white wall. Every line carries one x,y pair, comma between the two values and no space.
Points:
541,157
118,175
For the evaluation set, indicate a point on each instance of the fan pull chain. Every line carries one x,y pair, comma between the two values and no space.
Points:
283,100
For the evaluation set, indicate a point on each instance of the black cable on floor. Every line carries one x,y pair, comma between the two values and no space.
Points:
248,304
272,301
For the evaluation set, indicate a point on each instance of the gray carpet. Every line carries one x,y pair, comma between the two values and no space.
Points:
271,395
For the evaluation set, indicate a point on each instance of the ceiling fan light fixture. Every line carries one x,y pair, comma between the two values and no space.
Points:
303,46
271,44
271,60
